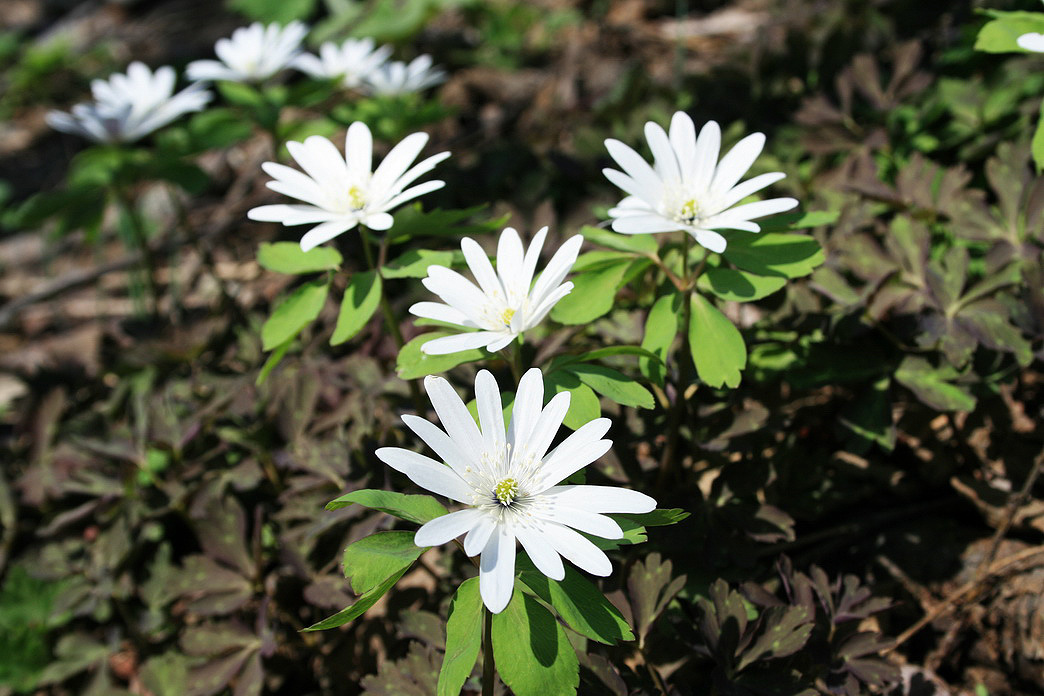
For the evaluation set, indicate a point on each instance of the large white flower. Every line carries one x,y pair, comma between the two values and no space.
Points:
1031,42
396,77
508,481
351,63
506,302
342,192
253,53
130,106
688,188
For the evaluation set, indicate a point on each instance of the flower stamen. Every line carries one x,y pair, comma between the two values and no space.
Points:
506,491
506,316
356,198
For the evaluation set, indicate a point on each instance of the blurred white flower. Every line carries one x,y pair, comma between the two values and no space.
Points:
1031,42
688,188
508,479
342,192
506,302
253,53
352,62
397,78
129,106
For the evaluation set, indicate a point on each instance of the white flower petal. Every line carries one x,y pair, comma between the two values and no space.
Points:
441,312
577,549
1031,42
708,145
740,191
427,473
325,232
480,267
442,444
479,535
448,527
490,411
526,410
547,424
557,269
358,147
509,262
583,521
758,209
544,557
735,164
497,570
710,240
645,224
601,499
454,344
454,415
683,140
634,166
666,160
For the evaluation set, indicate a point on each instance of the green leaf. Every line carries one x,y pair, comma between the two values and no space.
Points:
592,296
613,384
274,359
583,403
533,655
414,263
354,611
280,11
773,254
360,301
217,128
298,311
869,418
371,560
579,602
411,222
412,363
463,638
287,257
932,386
738,286
1000,35
661,327
799,221
643,244
660,517
412,508
718,350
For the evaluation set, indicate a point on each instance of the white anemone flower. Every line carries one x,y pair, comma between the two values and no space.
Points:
129,106
508,481
253,54
351,63
688,188
1031,42
506,302
396,78
342,192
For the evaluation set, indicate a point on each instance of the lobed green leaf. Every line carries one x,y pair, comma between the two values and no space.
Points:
412,363
463,638
412,508
717,347
533,655
296,312
371,560
287,257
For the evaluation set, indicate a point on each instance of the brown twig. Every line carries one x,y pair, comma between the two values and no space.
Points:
967,592
1017,501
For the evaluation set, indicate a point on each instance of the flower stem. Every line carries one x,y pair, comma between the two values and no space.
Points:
489,672
386,309
136,231
516,359
668,461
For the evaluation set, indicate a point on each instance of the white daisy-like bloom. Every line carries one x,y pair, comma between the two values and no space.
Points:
253,54
342,192
396,77
687,188
506,302
1031,42
129,106
351,63
508,481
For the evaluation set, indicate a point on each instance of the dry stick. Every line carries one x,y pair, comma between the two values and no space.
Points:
1013,507
966,593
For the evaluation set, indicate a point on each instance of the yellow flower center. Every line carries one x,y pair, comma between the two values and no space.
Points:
356,198
689,211
507,316
505,491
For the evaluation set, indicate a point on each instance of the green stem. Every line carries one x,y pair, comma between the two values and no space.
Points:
386,309
137,234
516,359
489,672
668,461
